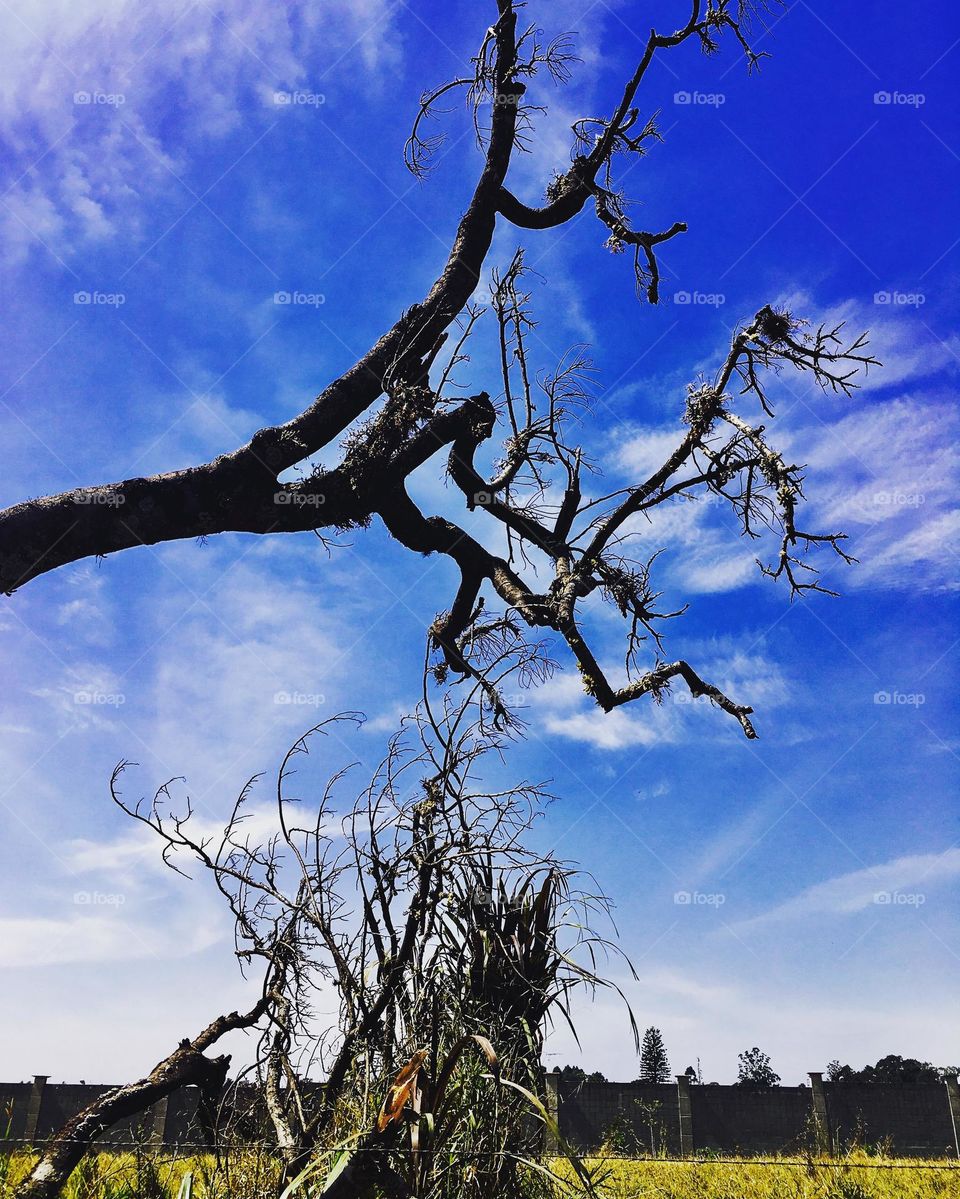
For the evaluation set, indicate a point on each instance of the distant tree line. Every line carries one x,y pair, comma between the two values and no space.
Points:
892,1070
754,1069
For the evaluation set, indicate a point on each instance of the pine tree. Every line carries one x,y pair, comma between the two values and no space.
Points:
654,1066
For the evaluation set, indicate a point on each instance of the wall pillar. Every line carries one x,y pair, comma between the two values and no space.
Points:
686,1115
552,1079
953,1098
821,1119
158,1128
34,1103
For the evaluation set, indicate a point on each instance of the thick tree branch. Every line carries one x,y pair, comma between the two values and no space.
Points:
535,490
186,1066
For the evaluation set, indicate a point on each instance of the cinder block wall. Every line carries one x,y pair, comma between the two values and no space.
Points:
912,1121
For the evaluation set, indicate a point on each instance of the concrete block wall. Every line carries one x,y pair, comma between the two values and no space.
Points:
685,1118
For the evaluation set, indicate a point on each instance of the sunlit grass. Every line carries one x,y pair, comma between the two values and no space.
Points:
249,1175
857,1176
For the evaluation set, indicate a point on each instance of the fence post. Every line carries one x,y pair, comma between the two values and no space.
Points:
953,1098
552,1080
158,1129
686,1115
821,1119
32,1121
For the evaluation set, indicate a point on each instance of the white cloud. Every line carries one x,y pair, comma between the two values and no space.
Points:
106,936
875,886
88,166
714,1018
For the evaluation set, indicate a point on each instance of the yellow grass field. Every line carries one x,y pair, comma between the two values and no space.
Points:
252,1176
858,1176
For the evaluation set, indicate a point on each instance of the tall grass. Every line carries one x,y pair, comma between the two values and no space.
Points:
856,1176
251,1175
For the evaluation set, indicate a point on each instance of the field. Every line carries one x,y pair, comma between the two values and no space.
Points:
858,1176
250,1176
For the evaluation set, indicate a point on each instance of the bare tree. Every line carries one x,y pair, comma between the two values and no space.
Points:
535,489
449,943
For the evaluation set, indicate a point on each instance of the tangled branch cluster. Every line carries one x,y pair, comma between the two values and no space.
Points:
394,409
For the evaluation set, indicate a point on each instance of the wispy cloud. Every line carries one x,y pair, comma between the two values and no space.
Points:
876,886
87,91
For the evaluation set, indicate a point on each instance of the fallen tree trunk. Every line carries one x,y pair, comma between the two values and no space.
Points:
186,1066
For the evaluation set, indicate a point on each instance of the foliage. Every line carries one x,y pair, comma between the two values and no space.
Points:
755,1069
892,1070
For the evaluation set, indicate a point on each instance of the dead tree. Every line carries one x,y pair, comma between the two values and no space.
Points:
394,406
448,942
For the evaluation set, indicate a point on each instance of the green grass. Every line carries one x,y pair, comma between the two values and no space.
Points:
247,1175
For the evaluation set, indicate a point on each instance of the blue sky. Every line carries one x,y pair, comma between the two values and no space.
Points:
183,197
